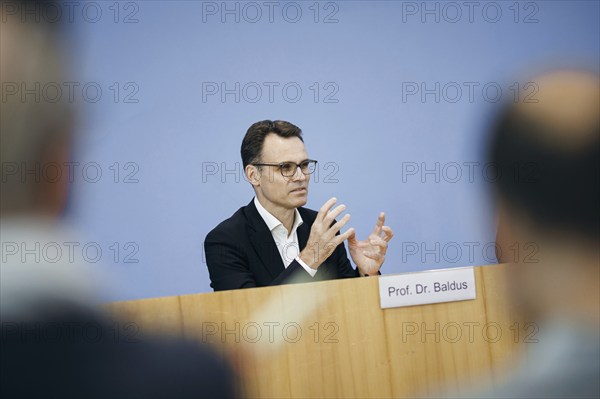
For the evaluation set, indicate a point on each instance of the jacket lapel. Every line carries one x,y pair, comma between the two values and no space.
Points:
263,242
303,233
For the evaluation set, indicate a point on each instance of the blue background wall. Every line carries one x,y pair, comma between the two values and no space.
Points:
171,138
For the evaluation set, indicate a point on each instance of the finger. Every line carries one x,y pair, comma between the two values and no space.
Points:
388,233
373,255
380,250
330,217
379,243
352,238
339,224
325,208
379,224
345,235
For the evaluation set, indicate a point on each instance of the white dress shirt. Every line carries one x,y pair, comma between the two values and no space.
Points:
287,245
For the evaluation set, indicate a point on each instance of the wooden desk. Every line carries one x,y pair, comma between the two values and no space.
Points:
331,339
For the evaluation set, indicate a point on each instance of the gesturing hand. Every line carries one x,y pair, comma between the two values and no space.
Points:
323,240
369,254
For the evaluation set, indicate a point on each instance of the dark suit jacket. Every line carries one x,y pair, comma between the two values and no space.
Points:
241,253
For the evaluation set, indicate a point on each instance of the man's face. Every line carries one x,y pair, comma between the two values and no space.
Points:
275,190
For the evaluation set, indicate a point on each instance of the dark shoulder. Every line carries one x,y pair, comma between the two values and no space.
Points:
308,215
235,223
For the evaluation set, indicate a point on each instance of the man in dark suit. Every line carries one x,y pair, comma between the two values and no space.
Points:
274,240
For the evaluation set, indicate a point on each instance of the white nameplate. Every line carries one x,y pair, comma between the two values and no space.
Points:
433,286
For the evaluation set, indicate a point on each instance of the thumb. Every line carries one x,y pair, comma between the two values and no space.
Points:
352,237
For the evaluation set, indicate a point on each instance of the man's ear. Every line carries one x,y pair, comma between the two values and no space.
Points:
252,175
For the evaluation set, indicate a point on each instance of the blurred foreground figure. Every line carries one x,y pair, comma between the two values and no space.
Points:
548,202
54,342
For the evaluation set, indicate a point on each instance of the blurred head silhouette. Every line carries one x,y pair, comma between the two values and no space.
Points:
547,148
46,305
37,122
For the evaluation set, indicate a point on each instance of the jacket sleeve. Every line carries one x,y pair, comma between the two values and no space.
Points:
294,273
345,269
227,263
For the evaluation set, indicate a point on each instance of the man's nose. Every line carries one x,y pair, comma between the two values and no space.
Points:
298,175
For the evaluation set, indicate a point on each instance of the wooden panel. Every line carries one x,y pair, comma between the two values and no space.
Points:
331,339
160,316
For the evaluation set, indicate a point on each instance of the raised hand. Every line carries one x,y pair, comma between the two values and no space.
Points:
323,240
369,254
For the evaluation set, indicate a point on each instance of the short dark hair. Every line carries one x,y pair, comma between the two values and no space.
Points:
254,139
557,187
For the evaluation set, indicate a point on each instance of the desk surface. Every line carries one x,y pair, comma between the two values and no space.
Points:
331,339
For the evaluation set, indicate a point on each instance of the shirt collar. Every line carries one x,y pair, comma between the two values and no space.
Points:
272,222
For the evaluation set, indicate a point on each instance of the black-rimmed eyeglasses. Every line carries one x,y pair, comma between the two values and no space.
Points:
288,169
